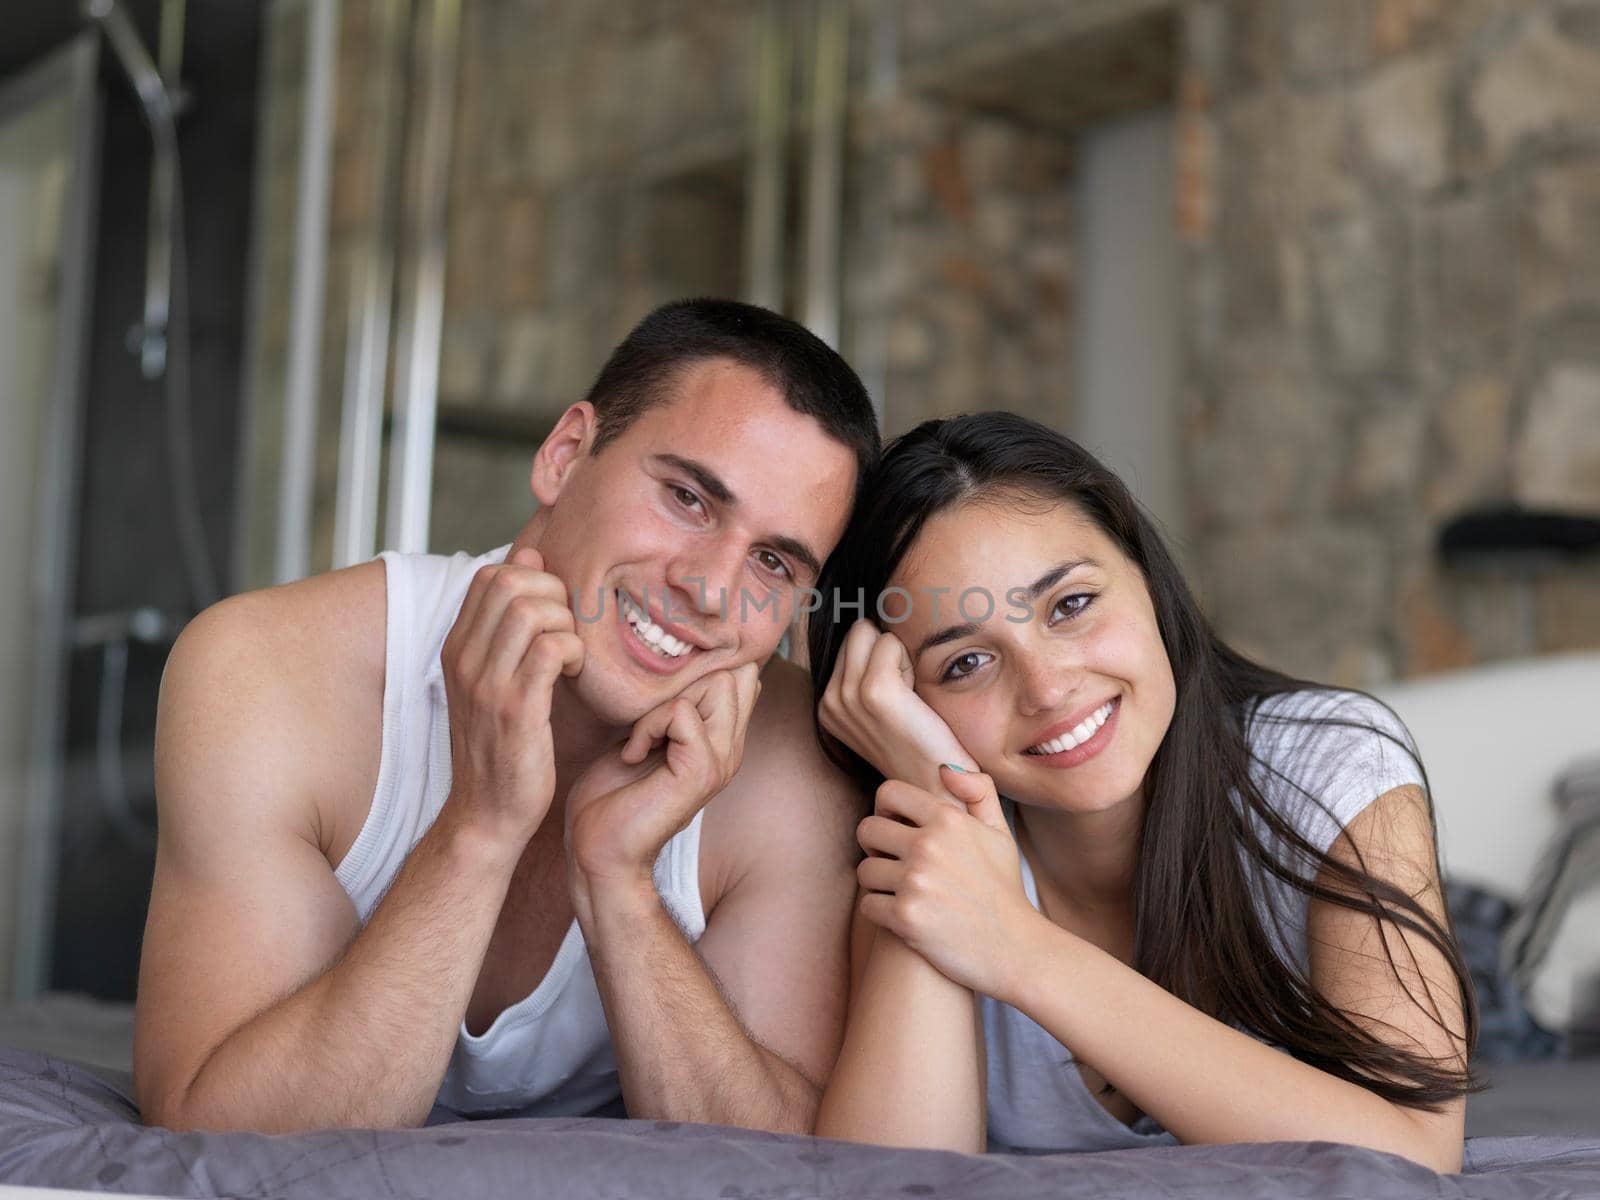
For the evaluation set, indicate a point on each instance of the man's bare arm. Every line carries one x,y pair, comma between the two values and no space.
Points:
681,1053
364,1043
260,1004
743,1028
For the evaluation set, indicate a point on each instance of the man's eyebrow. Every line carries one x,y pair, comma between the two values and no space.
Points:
711,484
1037,588
797,550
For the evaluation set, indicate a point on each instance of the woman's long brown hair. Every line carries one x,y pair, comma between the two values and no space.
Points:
1198,931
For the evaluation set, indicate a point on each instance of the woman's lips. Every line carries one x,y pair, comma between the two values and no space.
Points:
1086,750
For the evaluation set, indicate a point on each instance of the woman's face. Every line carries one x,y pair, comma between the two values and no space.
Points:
1033,636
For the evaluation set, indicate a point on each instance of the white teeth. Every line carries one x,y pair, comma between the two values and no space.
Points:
657,638
1084,731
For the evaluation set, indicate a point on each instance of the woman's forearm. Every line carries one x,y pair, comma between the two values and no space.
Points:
1201,1079
910,1072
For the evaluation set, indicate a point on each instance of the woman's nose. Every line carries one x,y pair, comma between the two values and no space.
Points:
1043,684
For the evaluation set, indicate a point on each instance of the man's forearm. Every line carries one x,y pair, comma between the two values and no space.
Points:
681,1052
366,1043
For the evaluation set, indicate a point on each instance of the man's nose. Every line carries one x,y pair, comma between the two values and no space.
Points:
707,580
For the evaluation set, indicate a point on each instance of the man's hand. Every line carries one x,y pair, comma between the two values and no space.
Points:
626,806
870,706
513,636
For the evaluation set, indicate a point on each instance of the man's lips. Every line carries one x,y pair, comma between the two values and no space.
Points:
656,612
647,656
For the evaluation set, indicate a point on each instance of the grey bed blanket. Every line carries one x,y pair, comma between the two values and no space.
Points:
63,1125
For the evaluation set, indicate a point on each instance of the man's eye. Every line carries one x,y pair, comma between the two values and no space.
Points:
771,562
684,496
962,665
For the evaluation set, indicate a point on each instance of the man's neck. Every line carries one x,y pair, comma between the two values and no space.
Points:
577,735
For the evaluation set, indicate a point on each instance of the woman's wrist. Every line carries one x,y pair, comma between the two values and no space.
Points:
1036,942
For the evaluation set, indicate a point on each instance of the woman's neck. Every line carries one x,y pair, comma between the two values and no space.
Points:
1087,859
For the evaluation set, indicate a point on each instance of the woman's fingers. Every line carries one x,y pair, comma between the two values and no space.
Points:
976,790
880,835
853,659
878,908
885,675
896,798
880,874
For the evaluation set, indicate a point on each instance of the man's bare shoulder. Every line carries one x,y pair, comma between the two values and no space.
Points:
788,798
339,612
277,695
782,738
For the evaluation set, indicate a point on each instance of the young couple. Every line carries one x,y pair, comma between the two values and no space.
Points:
435,836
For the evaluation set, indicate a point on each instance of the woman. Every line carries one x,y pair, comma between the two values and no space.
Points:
1208,908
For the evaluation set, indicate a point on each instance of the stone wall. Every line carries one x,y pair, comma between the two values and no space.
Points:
1391,219
964,278
1392,212
597,172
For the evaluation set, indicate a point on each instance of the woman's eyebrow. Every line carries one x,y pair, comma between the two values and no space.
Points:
1055,575
949,633
1037,588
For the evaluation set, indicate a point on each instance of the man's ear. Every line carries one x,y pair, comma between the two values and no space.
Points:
566,446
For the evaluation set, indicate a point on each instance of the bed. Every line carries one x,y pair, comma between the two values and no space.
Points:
66,1125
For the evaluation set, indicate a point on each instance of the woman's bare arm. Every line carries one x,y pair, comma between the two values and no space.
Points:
1207,1082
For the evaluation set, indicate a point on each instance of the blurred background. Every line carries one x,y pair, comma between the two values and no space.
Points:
285,283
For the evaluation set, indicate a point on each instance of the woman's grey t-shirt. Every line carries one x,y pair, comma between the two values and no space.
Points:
1037,1099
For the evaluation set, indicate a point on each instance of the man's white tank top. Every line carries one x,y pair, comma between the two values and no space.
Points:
550,1054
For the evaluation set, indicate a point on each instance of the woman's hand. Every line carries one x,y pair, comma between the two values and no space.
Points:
870,706
948,882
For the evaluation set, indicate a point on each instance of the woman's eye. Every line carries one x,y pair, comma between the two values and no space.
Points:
962,665
1071,606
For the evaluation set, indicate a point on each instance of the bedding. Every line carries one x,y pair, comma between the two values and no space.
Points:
64,1125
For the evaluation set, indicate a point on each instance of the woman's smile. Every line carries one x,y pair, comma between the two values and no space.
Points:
1070,743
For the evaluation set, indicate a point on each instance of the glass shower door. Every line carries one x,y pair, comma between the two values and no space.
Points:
48,148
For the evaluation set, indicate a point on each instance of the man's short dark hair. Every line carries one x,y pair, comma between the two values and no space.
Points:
811,377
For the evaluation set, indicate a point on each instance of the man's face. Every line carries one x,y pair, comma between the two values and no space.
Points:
684,540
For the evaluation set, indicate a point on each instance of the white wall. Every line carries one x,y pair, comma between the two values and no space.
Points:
1127,384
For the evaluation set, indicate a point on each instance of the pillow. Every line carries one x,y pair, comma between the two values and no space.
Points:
1552,944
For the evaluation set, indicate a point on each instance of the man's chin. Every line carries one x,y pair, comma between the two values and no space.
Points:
614,702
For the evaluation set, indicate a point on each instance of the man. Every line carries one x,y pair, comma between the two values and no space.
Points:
443,830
